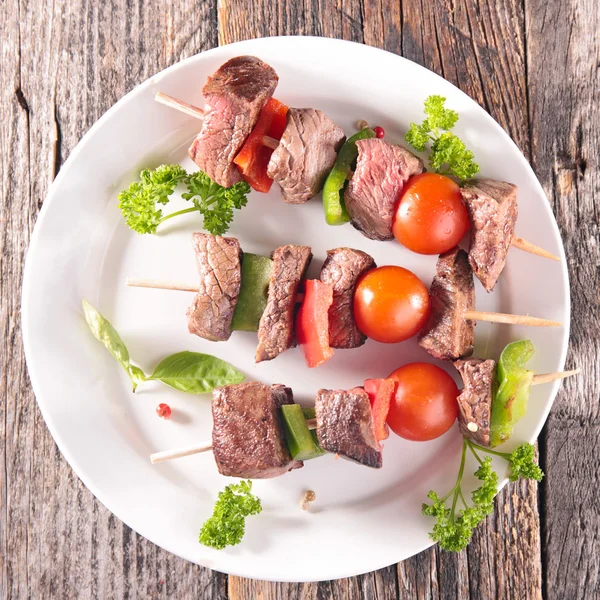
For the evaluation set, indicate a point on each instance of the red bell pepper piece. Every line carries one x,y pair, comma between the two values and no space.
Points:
380,393
312,322
253,159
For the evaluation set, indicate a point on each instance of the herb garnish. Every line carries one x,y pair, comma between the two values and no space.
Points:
449,155
140,202
227,525
190,372
453,529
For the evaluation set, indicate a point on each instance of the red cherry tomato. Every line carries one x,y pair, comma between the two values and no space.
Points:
424,405
430,217
391,304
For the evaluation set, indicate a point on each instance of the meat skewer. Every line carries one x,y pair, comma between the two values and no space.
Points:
341,422
449,333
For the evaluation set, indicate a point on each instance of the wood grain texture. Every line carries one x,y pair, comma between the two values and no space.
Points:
564,92
63,64
533,65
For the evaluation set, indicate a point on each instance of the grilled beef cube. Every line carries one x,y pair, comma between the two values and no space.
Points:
219,264
475,400
447,335
345,425
248,439
382,170
492,207
341,270
276,327
305,155
234,97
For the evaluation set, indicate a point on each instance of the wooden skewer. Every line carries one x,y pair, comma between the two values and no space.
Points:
198,113
522,244
492,317
548,377
160,285
199,448
472,315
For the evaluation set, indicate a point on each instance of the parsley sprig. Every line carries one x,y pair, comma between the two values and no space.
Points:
449,155
454,527
227,525
140,202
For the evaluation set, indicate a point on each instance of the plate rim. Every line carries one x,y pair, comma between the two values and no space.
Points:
88,138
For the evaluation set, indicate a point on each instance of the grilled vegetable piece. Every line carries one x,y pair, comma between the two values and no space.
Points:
234,96
219,264
333,190
312,323
253,159
305,155
276,327
248,437
382,170
342,269
345,425
252,301
514,384
380,393
301,443
492,207
476,398
447,335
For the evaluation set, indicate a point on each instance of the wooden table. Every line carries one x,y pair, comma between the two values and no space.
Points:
534,65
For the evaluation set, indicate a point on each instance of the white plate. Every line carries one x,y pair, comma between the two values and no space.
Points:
362,519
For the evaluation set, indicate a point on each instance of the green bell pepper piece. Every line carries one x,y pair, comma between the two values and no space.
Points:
333,201
513,382
301,441
252,301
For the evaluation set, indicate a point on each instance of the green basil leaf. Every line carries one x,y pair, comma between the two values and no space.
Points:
104,332
195,373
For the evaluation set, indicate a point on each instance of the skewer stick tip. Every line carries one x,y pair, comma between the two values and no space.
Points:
548,377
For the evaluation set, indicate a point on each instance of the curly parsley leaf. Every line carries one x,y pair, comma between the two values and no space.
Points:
522,464
454,528
227,525
141,202
215,203
448,155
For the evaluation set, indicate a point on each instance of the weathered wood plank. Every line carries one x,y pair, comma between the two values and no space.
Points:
563,47
63,64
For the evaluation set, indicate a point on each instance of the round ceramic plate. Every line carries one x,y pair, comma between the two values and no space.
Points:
362,519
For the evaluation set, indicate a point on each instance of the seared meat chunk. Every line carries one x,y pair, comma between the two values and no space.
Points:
447,335
219,264
305,155
276,327
341,269
492,207
248,439
475,399
234,97
345,425
382,170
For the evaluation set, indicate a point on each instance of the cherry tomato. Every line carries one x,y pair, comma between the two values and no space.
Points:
391,304
424,405
430,217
